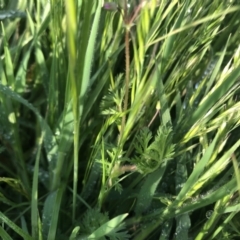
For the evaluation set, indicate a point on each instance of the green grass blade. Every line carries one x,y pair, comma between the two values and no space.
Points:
4,234
48,213
34,203
198,170
51,213
49,140
108,227
55,205
14,227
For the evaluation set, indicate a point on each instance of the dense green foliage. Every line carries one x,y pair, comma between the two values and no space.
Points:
119,121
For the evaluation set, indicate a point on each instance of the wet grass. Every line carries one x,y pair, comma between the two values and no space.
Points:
119,122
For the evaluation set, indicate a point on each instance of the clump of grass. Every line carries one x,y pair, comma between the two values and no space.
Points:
119,124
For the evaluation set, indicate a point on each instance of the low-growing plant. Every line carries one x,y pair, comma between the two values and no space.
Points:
120,119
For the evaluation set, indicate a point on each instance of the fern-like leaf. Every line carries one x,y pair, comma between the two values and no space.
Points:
151,155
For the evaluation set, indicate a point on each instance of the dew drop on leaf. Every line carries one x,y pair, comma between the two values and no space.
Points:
209,214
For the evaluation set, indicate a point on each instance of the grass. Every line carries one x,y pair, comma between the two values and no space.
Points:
119,121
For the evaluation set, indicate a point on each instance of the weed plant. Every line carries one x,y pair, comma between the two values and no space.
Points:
119,120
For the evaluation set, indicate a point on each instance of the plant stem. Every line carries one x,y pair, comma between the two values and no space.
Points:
125,106
127,73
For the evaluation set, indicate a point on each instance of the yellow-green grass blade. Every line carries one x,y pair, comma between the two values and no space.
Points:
106,228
